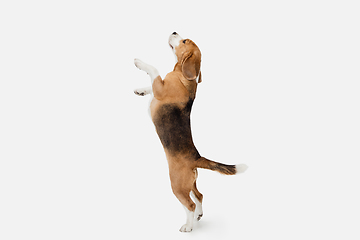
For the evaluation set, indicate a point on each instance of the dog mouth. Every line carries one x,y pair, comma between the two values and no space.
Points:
171,46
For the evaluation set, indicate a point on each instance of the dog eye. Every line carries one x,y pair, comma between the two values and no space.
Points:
184,41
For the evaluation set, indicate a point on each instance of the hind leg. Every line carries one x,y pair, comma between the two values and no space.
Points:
189,207
198,197
182,181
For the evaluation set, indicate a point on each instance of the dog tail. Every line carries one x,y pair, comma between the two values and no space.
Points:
219,167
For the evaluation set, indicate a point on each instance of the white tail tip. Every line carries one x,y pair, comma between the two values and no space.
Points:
240,168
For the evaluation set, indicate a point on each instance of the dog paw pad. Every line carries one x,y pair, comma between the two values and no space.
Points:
139,93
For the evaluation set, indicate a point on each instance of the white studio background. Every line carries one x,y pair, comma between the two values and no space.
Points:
79,157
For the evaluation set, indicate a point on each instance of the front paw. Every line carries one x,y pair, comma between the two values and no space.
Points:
139,92
139,64
143,91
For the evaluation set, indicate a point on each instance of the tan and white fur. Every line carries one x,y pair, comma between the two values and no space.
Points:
170,108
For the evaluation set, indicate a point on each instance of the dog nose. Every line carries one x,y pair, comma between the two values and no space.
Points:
174,33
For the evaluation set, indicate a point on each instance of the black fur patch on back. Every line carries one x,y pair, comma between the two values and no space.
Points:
173,127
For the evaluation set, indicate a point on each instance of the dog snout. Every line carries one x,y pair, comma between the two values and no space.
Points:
174,39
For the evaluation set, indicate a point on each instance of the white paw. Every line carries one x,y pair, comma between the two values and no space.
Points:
186,228
140,92
198,215
139,64
198,211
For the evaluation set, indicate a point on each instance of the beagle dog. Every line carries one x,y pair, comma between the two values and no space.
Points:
170,107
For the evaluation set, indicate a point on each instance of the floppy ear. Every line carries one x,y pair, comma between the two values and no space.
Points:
190,66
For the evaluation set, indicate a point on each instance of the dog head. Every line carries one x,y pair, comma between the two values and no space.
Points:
188,55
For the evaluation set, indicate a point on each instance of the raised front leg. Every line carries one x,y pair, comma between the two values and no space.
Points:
156,82
150,70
